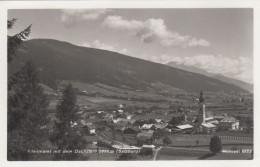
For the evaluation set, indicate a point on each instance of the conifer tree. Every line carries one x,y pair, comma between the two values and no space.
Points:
14,42
67,136
215,145
26,113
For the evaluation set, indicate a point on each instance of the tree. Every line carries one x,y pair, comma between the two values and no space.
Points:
215,144
26,113
14,42
67,108
177,119
167,140
65,136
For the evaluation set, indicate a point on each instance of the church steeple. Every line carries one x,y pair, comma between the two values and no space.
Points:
201,99
202,110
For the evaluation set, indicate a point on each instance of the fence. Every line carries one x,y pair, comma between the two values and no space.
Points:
204,139
243,138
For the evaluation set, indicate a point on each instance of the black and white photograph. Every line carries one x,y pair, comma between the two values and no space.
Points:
130,84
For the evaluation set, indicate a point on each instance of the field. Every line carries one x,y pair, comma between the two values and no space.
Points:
161,96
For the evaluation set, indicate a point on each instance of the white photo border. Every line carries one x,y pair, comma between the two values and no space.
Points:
5,5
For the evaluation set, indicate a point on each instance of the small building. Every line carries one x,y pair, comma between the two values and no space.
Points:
145,138
158,120
132,122
87,128
120,111
121,106
109,116
182,128
161,125
208,128
147,127
73,124
147,149
116,120
121,125
100,112
229,123
91,128
129,116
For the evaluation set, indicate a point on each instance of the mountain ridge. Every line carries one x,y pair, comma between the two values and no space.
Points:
59,60
242,84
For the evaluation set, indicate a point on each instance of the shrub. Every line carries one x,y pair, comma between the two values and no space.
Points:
167,140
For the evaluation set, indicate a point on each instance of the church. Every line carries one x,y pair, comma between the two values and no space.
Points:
203,125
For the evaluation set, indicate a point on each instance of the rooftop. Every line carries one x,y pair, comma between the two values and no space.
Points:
144,135
229,119
148,146
161,126
208,125
186,126
147,126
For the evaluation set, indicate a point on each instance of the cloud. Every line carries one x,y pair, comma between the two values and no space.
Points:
151,30
99,45
198,42
116,22
240,68
163,59
70,16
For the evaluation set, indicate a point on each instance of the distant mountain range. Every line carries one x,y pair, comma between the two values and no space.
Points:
57,60
244,85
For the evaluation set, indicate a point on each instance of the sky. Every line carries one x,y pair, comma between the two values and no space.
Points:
219,41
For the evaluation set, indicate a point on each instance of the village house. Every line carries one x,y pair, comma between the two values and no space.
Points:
121,123
145,138
91,128
161,125
147,149
208,128
130,130
108,117
132,122
100,112
147,127
121,106
182,128
120,111
129,116
87,128
158,120
73,124
229,123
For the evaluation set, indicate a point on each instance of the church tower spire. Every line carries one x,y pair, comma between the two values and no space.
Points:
202,106
201,99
